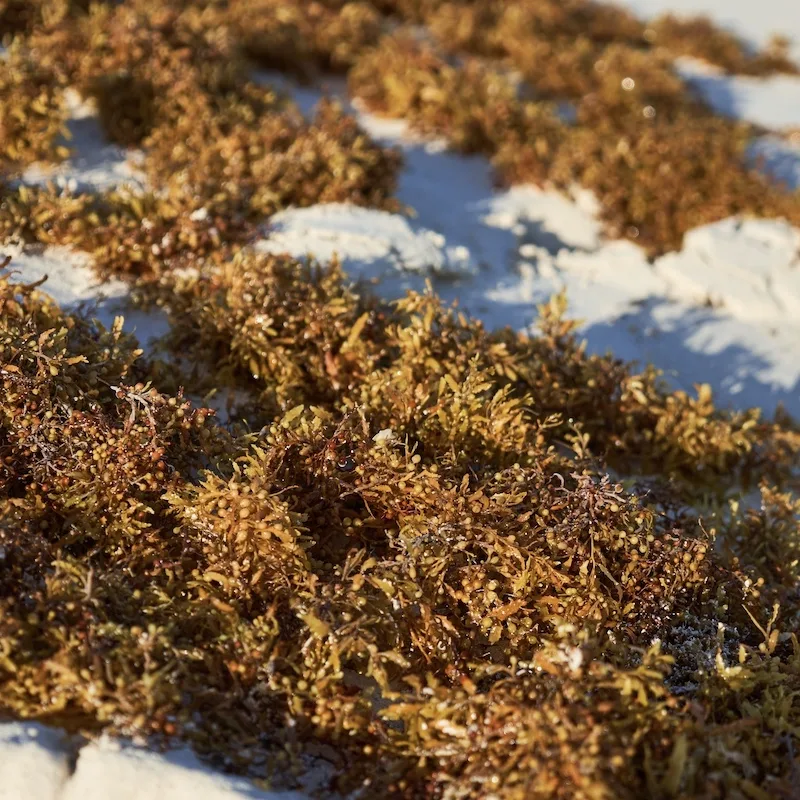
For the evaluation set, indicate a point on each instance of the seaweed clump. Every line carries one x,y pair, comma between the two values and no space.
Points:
125,232
633,118
699,37
32,113
179,81
305,38
220,151
408,547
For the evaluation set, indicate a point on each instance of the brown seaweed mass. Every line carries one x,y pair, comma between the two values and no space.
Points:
415,542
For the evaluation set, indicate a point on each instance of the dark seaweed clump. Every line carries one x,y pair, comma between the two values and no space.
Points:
220,150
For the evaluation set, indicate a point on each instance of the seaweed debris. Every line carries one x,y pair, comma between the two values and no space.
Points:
417,541
407,502
176,80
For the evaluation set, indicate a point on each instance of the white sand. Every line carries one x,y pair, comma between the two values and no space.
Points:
723,310
34,762
39,763
94,164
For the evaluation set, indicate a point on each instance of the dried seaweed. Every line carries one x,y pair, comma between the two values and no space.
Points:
700,38
175,80
416,541
305,37
32,113
406,501
634,121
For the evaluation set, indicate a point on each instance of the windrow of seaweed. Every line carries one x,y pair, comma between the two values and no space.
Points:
177,80
286,334
219,149
631,122
405,545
